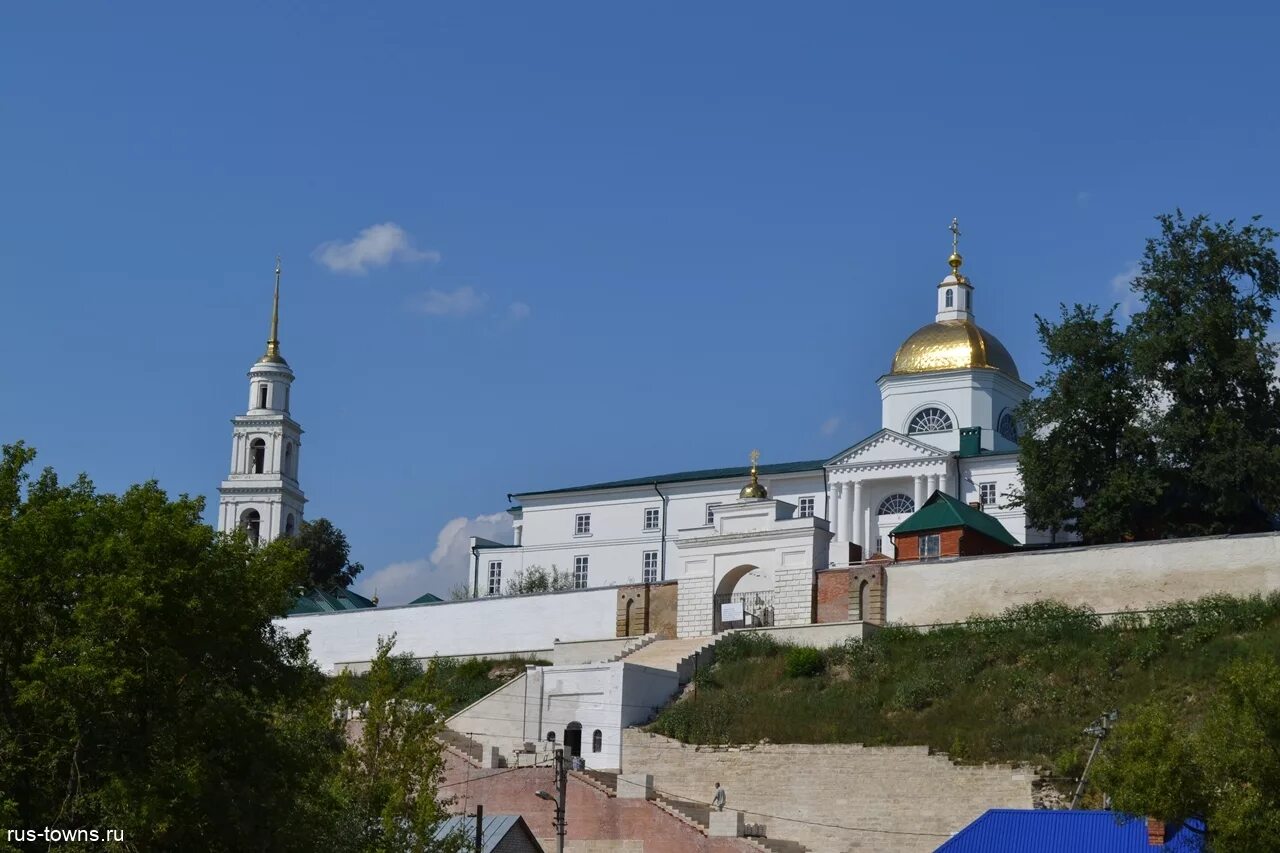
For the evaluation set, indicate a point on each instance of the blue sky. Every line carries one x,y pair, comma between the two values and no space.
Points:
616,240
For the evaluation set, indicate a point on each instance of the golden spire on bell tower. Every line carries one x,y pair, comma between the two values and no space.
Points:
273,342
956,258
753,490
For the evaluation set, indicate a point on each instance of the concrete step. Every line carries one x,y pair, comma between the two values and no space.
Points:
778,845
668,654
461,744
697,813
602,779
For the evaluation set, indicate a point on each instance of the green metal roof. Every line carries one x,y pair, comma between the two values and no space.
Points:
426,598
942,511
688,477
317,601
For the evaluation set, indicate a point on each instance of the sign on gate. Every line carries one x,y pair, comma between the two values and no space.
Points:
731,611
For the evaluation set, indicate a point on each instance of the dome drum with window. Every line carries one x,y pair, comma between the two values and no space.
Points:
930,419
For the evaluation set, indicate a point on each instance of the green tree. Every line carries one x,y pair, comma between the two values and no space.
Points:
1208,292
143,685
538,579
1088,436
1172,425
1225,769
327,555
391,773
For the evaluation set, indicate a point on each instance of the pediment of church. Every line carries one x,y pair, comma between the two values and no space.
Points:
885,446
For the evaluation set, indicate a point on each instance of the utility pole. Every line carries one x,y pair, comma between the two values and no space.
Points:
562,783
562,780
1100,728
479,829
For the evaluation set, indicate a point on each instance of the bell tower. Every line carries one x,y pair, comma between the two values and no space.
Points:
261,493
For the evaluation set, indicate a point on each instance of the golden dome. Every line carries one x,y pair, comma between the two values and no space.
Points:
753,491
952,345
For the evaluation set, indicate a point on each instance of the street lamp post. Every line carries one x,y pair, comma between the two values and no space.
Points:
561,784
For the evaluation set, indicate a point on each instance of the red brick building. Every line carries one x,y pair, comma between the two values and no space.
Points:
946,527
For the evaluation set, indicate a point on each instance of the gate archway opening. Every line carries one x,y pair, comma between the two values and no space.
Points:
743,599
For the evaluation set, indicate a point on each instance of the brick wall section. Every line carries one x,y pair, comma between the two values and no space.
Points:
793,601
954,542
597,822
833,596
873,576
662,609
695,607
915,799
909,545
633,610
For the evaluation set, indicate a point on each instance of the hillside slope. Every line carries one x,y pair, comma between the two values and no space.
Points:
1015,688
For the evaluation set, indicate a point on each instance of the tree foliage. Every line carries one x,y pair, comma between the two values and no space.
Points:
1171,426
538,579
1224,770
327,555
145,688
391,773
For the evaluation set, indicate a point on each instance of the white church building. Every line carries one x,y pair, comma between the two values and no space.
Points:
947,424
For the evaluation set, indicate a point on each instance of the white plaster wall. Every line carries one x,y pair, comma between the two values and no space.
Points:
1108,578
615,548
483,626
820,636
1003,471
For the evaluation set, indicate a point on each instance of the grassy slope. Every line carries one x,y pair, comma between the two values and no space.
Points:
1019,688
453,685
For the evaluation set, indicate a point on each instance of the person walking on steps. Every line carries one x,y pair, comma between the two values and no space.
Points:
717,799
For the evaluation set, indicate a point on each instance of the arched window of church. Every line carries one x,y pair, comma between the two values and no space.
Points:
252,524
1007,426
597,741
288,525
257,456
897,504
288,458
951,297
931,419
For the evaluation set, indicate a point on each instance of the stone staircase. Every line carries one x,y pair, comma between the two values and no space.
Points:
634,646
462,746
683,657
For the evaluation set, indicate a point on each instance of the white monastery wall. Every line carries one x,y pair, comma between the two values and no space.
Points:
1108,578
495,627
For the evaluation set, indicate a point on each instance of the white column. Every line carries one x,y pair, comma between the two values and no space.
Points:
942,482
932,487
855,525
833,510
519,533
873,527
919,491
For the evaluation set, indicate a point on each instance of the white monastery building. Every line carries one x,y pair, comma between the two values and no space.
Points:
261,493
947,425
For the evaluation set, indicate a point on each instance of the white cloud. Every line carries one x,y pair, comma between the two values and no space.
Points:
830,425
448,565
443,303
518,311
375,246
1122,287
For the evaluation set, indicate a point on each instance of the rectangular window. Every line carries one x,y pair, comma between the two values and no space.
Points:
495,577
711,512
806,508
987,493
262,396
930,546
582,524
579,572
650,566
652,518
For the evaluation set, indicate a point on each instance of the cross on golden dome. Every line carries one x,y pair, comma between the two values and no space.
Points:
956,259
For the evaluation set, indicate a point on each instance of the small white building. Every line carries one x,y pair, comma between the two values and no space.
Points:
947,417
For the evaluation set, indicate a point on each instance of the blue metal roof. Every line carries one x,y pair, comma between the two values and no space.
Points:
496,828
1041,831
